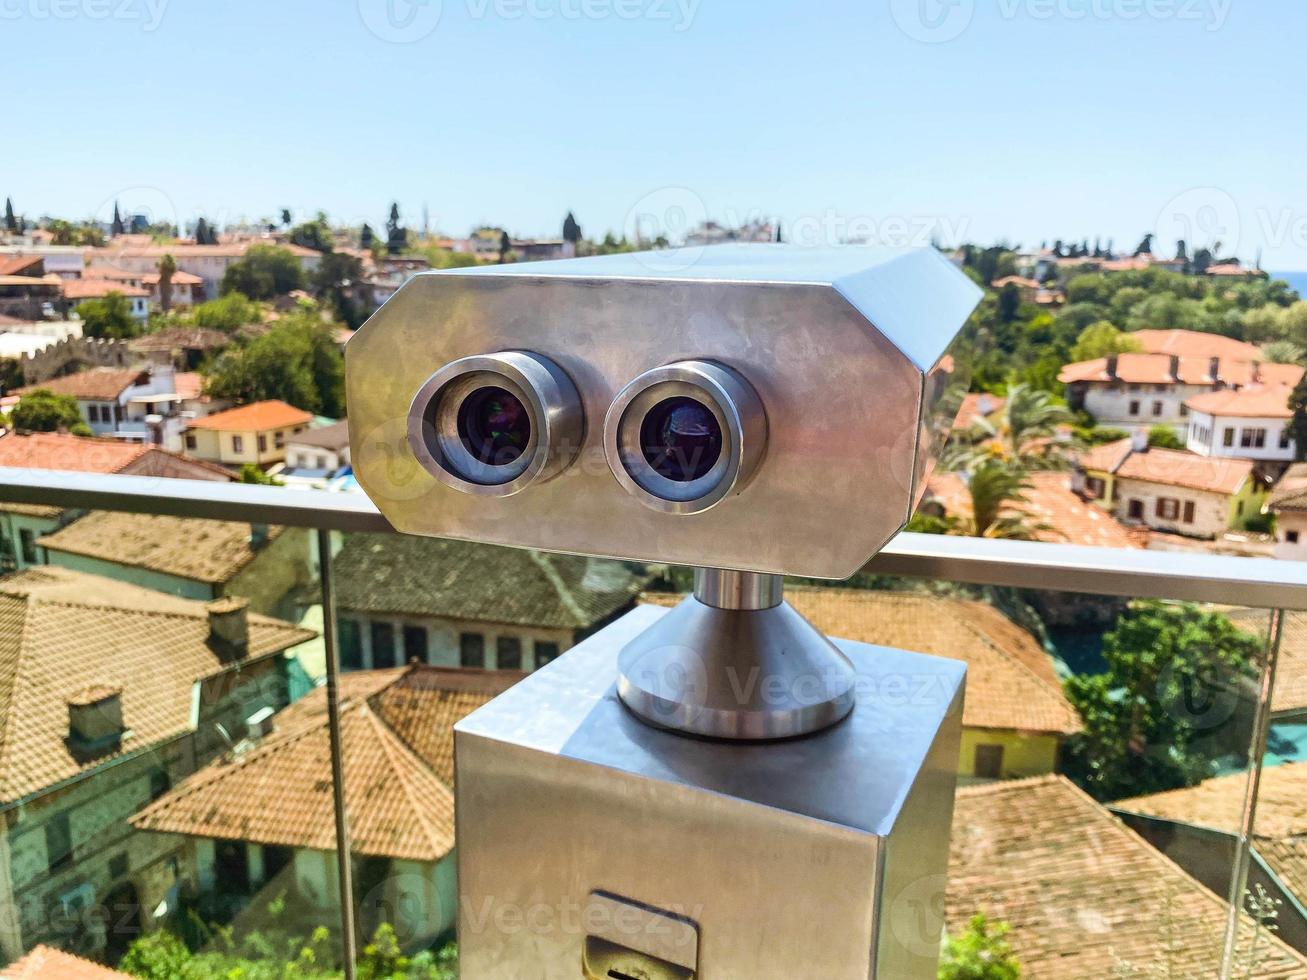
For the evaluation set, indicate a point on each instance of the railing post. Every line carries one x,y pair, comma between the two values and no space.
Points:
344,873
1248,813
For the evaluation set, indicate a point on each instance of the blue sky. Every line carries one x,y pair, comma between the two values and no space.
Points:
983,119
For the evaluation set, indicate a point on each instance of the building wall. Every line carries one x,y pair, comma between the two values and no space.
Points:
1291,535
159,581
220,447
1110,404
1207,436
443,638
12,528
1023,754
1211,510
97,808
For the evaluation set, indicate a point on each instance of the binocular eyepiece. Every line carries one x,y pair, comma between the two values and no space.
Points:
679,438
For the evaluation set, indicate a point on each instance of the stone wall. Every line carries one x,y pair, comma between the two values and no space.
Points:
75,354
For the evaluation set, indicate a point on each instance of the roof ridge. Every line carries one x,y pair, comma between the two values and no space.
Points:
551,574
9,717
390,743
1026,668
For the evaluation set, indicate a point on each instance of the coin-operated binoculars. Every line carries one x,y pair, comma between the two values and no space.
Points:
716,791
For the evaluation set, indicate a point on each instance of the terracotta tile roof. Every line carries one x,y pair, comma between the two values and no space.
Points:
1255,401
59,451
1290,693
334,436
1017,281
1011,681
1144,368
410,575
1107,457
399,793
1049,500
1280,834
1232,269
1290,492
1082,892
99,288
187,547
977,405
19,265
1177,468
61,631
1196,343
176,338
103,384
233,250
47,963
188,384
255,417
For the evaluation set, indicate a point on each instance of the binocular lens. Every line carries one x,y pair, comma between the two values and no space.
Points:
681,439
494,425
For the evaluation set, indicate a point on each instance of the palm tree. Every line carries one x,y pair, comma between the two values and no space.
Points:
997,492
1025,429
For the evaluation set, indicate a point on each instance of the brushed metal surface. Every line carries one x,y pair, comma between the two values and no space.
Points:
738,590
839,345
815,857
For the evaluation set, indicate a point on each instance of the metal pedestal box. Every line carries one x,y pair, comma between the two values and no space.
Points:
593,845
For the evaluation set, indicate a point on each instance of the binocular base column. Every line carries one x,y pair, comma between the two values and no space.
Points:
736,661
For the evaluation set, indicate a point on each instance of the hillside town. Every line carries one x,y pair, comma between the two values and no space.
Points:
165,761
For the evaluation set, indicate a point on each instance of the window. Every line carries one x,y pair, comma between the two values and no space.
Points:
383,645
1168,508
546,653
27,541
1134,406
237,444
1095,486
1157,408
190,441
1188,512
279,439
1284,438
321,461
58,842
989,761
160,783
1252,438
263,443
1135,510
1184,410
415,643
508,653
1291,537
1228,438
93,413
351,650
471,649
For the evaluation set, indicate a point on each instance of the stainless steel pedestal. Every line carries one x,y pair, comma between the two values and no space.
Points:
594,845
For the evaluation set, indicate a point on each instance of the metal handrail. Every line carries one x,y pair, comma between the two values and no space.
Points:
1256,582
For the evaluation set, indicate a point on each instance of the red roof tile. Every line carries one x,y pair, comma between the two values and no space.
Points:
1258,401
255,417
47,963
78,454
102,384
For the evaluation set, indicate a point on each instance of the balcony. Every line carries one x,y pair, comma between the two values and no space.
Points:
235,745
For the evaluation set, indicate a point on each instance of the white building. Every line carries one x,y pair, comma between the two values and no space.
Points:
315,456
1248,423
133,404
185,286
81,290
1288,502
209,262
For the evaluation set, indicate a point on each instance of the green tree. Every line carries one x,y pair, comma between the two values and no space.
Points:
44,411
1009,303
1163,712
1283,352
337,281
366,237
315,234
1026,428
11,223
204,235
297,361
1101,339
109,318
226,313
1164,437
571,230
996,494
265,271
116,228
1298,423
167,269
396,234
981,952
285,217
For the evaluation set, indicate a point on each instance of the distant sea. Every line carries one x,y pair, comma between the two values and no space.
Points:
1298,280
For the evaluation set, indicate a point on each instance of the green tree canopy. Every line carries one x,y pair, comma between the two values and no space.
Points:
109,318
44,411
981,952
1101,339
315,234
296,361
226,313
1167,706
1164,437
266,271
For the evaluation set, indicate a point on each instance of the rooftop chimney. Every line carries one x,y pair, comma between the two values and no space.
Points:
1139,440
259,535
1175,367
1214,371
95,720
1111,367
229,627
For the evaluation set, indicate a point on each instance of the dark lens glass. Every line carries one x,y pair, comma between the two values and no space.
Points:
494,425
681,439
